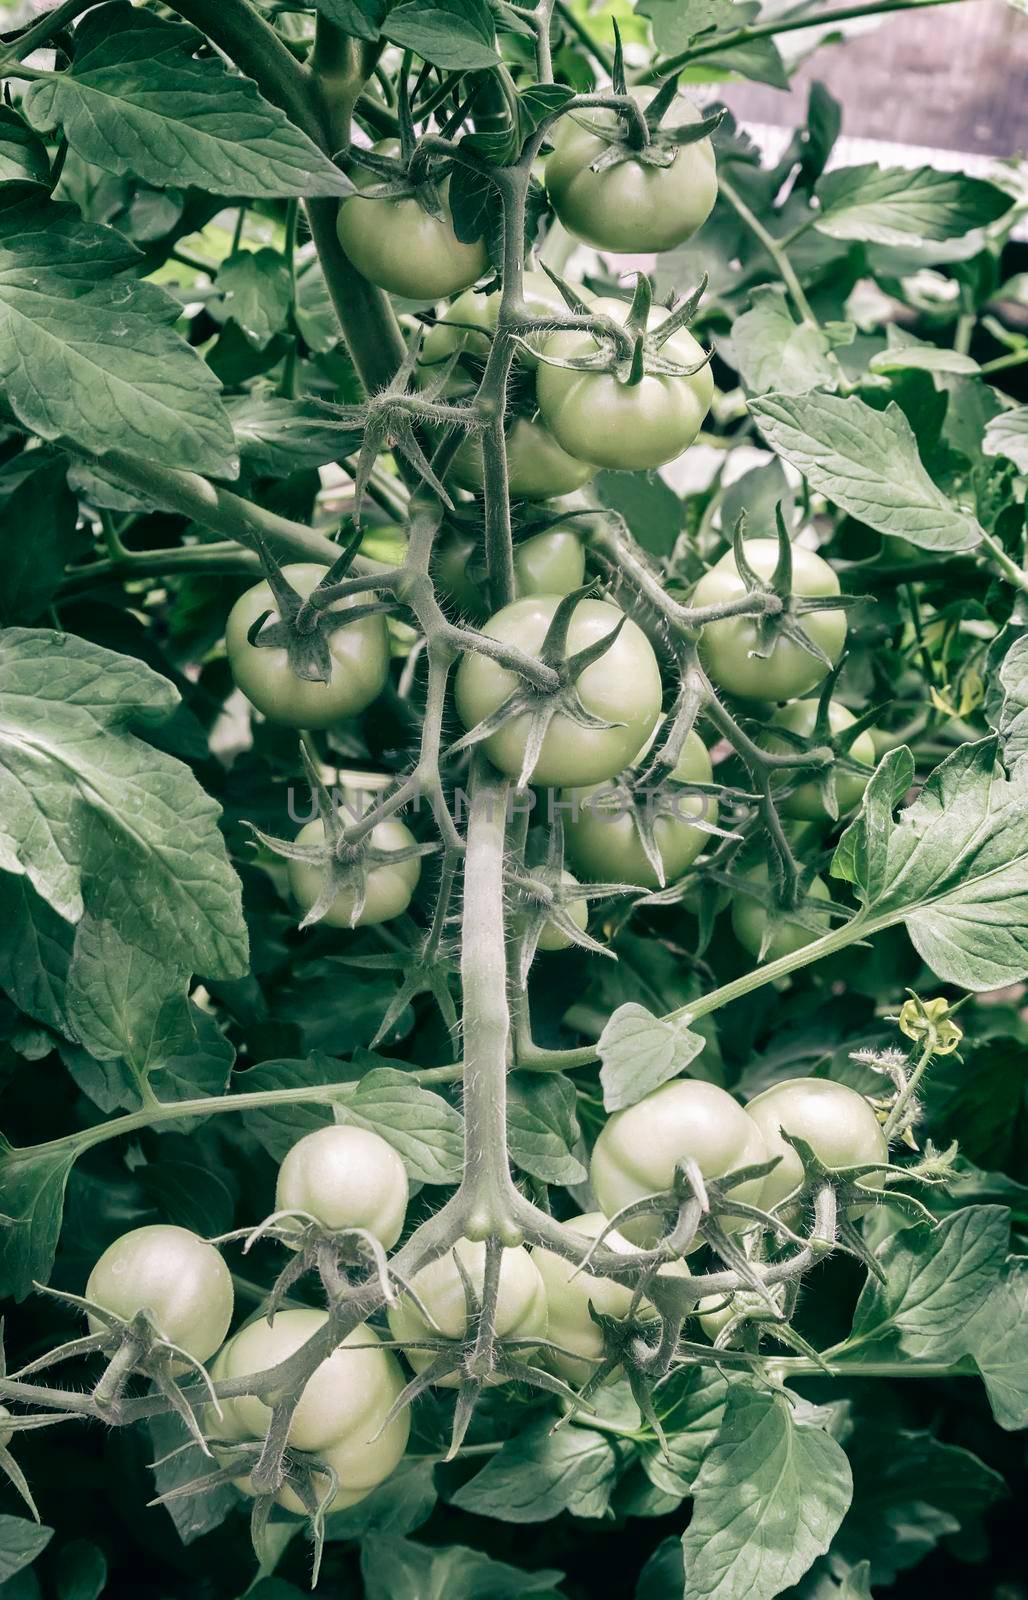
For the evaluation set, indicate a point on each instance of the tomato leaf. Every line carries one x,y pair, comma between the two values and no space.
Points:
542,1127
136,100
32,1183
92,812
457,34
639,1052
866,462
89,355
23,157
21,1542
539,1473
1007,435
770,1495
258,291
998,1340
772,351
391,1567
892,205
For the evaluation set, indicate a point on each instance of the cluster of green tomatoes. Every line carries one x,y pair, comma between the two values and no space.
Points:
350,1425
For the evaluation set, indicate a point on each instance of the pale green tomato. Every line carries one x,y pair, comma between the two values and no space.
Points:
401,247
537,467
626,427
570,1292
554,938
342,1408
176,1276
726,646
548,563
605,844
715,1312
805,802
520,1306
638,1149
750,919
346,1177
475,309
389,885
359,651
623,687
837,1123
630,207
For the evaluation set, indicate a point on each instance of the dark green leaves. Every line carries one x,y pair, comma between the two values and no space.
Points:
32,1183
866,462
954,866
393,1567
21,1542
90,355
258,292
458,34
23,157
135,100
894,206
92,814
39,540
935,1281
770,1495
539,1473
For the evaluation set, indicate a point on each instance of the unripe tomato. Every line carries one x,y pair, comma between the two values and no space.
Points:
343,1405
715,1311
399,246
520,1306
346,1177
389,885
626,427
548,563
622,686
570,1292
837,1123
638,1149
553,937
605,845
750,919
725,646
537,467
173,1274
632,206
359,651
475,309
805,802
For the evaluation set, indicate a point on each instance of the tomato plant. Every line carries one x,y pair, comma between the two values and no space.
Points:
513,826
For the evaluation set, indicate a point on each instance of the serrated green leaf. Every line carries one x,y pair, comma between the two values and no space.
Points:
539,1473
258,291
21,1542
866,462
768,1500
90,812
89,355
998,1340
23,157
542,1127
136,101
772,351
457,34
891,205
1007,435
639,1052
277,437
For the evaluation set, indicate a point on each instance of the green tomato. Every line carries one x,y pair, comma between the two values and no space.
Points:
638,1149
805,802
520,1305
837,1123
622,686
750,919
475,309
726,646
173,1274
342,1407
389,885
548,563
715,1312
570,1292
630,207
537,467
553,937
605,844
399,246
346,1177
626,427
359,651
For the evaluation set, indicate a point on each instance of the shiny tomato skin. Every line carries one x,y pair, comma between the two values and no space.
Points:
359,650
389,887
789,670
622,686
